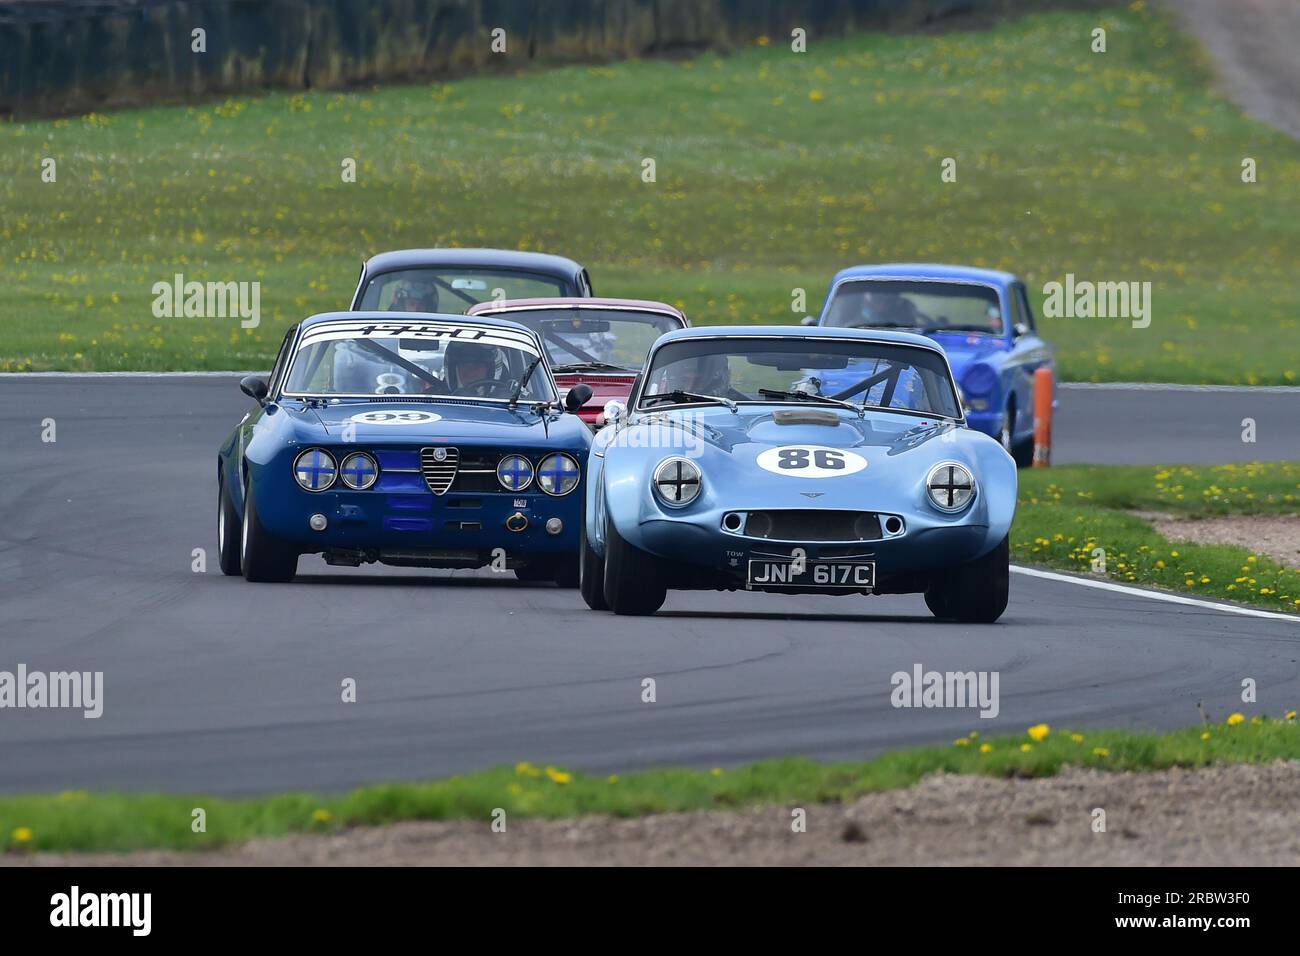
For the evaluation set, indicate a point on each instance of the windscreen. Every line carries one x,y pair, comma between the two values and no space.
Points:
922,306
801,370
435,359
453,291
593,339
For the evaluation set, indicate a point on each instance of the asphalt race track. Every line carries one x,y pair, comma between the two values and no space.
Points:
216,685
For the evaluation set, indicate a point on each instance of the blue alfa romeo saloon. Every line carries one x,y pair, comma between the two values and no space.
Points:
412,439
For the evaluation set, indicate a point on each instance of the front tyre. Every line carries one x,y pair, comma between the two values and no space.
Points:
228,530
265,558
591,574
633,579
975,592
1023,451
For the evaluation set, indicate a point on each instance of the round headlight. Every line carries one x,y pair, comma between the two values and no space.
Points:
515,472
359,471
314,469
677,481
951,486
979,379
558,474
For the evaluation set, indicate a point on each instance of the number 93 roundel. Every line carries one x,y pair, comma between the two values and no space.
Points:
396,418
810,461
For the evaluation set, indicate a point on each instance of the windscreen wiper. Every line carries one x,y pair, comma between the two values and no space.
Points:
960,328
677,395
776,393
523,381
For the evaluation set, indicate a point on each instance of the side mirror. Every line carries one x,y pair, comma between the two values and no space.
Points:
808,320
578,396
1020,329
615,411
254,386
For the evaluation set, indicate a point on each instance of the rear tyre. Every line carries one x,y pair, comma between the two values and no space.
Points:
633,579
228,530
591,574
265,558
975,592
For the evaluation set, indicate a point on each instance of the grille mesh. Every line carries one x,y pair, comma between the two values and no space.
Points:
813,525
439,475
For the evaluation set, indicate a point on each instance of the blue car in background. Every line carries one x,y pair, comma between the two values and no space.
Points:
409,439
980,317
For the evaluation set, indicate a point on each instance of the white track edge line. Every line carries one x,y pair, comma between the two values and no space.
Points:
1155,595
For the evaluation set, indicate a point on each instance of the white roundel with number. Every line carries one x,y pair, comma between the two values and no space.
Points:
395,418
811,461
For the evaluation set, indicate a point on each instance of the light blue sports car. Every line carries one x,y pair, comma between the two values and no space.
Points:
737,465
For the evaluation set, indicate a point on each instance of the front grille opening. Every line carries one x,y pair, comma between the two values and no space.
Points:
813,525
465,471
439,475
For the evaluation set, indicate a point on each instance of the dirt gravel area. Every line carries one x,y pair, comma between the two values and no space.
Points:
1243,815
1273,536
1254,47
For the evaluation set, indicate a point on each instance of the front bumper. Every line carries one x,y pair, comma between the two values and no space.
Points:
700,554
415,523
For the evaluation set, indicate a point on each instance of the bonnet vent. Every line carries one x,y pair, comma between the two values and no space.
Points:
804,416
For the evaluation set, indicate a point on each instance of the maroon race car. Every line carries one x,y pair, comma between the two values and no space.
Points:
597,342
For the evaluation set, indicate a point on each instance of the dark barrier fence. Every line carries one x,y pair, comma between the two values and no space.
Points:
70,56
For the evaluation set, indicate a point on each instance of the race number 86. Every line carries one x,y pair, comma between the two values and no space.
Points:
810,461
798,458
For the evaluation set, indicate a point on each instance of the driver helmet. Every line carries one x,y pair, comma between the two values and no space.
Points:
881,305
415,295
705,375
465,363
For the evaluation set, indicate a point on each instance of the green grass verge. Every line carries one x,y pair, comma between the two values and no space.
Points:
1067,514
774,169
103,822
